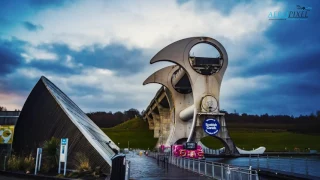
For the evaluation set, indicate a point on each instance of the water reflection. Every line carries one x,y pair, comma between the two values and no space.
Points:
301,165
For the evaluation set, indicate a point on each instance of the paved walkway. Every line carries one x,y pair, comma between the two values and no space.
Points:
10,178
146,168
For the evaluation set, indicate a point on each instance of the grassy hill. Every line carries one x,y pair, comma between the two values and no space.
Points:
135,131
273,140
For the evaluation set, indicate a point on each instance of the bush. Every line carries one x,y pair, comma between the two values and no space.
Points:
14,163
51,154
97,172
82,162
28,163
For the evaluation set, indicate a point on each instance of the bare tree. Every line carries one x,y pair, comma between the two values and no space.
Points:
2,108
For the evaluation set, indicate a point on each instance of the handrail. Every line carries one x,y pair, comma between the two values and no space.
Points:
209,168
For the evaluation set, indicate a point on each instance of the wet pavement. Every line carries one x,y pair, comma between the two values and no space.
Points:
146,168
10,178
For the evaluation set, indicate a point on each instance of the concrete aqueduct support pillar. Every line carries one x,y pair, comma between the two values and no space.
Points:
165,121
160,121
156,120
205,87
178,129
150,122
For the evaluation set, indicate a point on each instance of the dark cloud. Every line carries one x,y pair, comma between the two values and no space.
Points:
32,27
295,63
17,84
82,90
293,67
10,55
293,89
55,67
296,33
224,7
114,57
10,60
296,46
291,94
46,3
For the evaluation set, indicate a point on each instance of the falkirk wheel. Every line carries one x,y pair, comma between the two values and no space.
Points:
186,108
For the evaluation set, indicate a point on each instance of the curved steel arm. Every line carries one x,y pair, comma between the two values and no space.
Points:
161,76
178,52
173,52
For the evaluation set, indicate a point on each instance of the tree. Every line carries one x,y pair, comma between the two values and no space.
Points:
318,114
142,112
132,113
2,108
120,117
312,116
244,114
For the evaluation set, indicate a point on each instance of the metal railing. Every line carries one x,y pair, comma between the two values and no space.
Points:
4,155
305,166
127,174
211,151
209,168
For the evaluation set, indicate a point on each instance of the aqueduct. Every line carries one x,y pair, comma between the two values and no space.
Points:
186,108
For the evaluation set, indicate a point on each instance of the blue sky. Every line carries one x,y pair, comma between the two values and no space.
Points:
98,52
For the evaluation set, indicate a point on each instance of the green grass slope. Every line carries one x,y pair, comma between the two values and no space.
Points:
135,131
272,140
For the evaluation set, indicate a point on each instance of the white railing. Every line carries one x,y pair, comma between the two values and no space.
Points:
209,168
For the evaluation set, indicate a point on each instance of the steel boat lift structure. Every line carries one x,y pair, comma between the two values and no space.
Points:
192,88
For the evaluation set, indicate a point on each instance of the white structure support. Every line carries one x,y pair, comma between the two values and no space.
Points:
192,90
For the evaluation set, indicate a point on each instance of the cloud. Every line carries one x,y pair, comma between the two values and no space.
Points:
32,27
92,89
38,54
45,3
98,52
143,24
115,57
11,101
297,61
9,57
291,94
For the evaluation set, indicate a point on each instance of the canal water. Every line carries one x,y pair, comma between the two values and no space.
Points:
309,166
